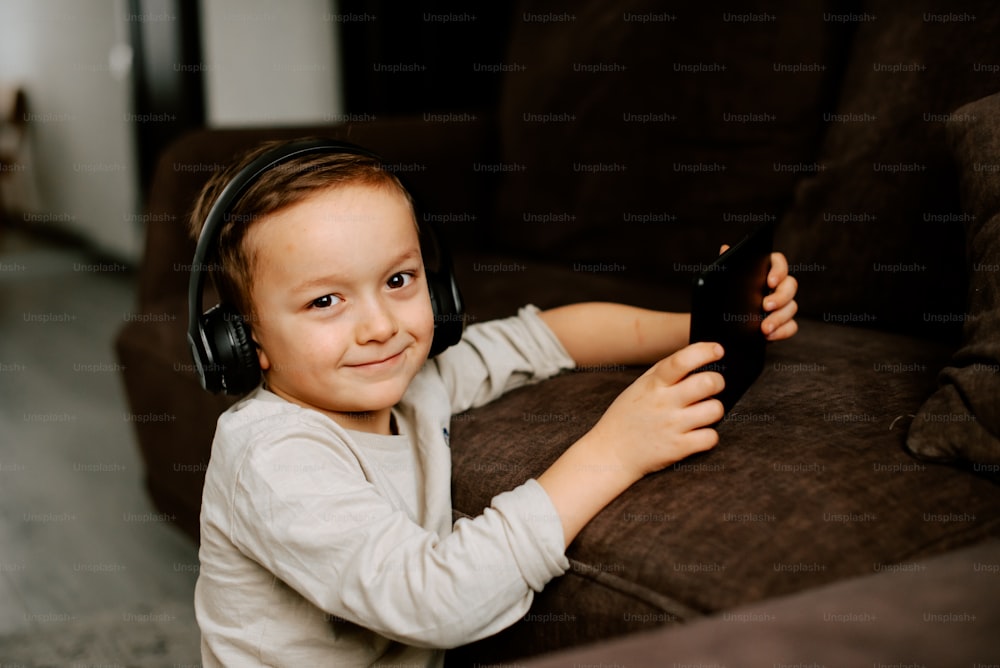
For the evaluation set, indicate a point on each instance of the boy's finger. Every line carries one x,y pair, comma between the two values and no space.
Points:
783,294
723,249
775,320
779,269
698,387
786,331
780,315
703,414
700,440
687,359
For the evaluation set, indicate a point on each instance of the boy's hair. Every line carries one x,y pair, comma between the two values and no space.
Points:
281,186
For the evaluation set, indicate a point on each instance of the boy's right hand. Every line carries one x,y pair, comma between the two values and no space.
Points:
664,415
659,419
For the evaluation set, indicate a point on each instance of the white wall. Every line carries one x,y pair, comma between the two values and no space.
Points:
82,171
270,62
266,62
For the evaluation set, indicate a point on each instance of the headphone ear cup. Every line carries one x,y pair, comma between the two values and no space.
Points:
449,311
234,366
446,299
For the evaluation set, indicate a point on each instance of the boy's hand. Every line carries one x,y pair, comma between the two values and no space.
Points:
659,419
664,415
780,303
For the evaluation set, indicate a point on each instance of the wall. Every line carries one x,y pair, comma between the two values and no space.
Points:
80,172
270,63
265,63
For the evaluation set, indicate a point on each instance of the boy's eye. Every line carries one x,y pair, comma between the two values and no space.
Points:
326,301
400,280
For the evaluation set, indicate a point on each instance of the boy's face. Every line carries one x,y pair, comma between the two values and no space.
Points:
344,316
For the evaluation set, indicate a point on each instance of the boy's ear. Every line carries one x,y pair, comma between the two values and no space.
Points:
262,358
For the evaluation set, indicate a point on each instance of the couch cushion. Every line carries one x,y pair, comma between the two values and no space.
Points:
636,140
810,484
961,421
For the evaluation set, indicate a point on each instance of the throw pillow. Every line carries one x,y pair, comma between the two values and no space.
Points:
960,422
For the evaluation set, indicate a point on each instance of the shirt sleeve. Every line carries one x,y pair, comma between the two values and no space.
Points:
305,513
498,356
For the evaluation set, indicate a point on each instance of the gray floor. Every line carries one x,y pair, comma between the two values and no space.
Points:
79,538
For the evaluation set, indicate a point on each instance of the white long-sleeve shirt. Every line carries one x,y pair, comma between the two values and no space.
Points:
322,546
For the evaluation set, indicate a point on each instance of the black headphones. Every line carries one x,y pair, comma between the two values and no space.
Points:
220,339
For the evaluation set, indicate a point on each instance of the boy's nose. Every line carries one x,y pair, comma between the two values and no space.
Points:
376,321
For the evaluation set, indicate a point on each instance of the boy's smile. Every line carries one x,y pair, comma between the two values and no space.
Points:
343,316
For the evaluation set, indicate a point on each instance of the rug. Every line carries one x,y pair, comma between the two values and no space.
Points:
146,637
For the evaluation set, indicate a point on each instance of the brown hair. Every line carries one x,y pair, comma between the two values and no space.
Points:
281,186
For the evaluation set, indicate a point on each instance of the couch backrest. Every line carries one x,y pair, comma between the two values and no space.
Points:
882,225
647,138
641,139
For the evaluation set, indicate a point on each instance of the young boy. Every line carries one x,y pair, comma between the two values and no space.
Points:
326,523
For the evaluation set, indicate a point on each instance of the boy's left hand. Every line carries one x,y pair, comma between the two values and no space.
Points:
780,303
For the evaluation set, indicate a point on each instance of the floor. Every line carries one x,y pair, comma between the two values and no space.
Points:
79,537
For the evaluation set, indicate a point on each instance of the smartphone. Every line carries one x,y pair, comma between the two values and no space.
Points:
727,307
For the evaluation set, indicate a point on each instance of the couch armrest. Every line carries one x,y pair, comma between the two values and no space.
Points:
941,611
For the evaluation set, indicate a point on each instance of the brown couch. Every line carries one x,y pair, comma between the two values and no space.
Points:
628,144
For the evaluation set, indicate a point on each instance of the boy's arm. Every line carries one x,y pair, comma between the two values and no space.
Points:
604,333
300,506
496,357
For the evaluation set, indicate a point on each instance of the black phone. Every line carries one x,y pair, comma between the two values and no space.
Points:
727,307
